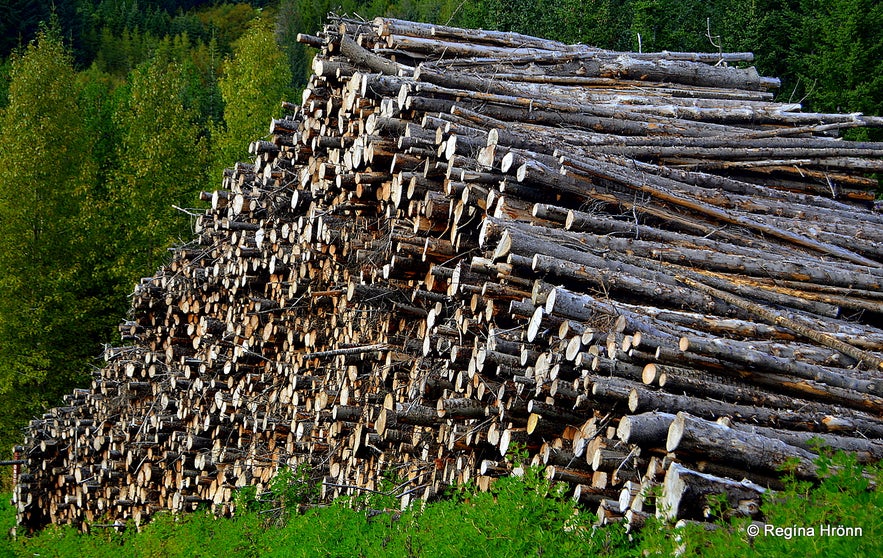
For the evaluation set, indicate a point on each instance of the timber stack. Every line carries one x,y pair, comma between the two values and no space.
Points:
637,267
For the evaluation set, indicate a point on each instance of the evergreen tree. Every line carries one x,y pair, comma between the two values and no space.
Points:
839,55
20,20
304,16
5,67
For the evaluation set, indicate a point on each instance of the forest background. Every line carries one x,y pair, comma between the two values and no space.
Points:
115,114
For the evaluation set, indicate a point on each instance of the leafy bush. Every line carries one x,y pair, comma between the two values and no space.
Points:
519,516
837,517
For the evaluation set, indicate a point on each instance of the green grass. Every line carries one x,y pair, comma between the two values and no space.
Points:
519,517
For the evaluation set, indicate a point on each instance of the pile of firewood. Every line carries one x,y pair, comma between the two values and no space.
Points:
637,267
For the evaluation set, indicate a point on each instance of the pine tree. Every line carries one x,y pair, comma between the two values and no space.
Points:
306,16
839,55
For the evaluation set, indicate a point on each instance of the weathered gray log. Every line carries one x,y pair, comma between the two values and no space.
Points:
687,494
744,387
529,240
856,334
658,187
361,57
750,450
612,280
777,319
865,450
641,400
837,377
649,428
568,304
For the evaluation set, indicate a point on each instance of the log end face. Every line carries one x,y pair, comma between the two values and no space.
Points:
650,373
532,422
535,324
673,491
676,432
624,429
503,247
634,401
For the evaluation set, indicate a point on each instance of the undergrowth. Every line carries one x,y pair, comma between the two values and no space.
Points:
520,516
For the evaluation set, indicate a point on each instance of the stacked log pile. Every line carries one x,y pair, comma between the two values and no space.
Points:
636,266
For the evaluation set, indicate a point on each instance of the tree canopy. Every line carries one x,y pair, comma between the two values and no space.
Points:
161,157
255,81
46,171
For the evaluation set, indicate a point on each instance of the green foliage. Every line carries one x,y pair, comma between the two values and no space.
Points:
289,490
255,81
20,21
828,53
199,534
92,164
519,516
603,23
524,516
226,22
848,495
7,524
119,54
308,16
198,64
662,23
294,487
302,16
839,57
5,68
764,27
46,292
161,158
